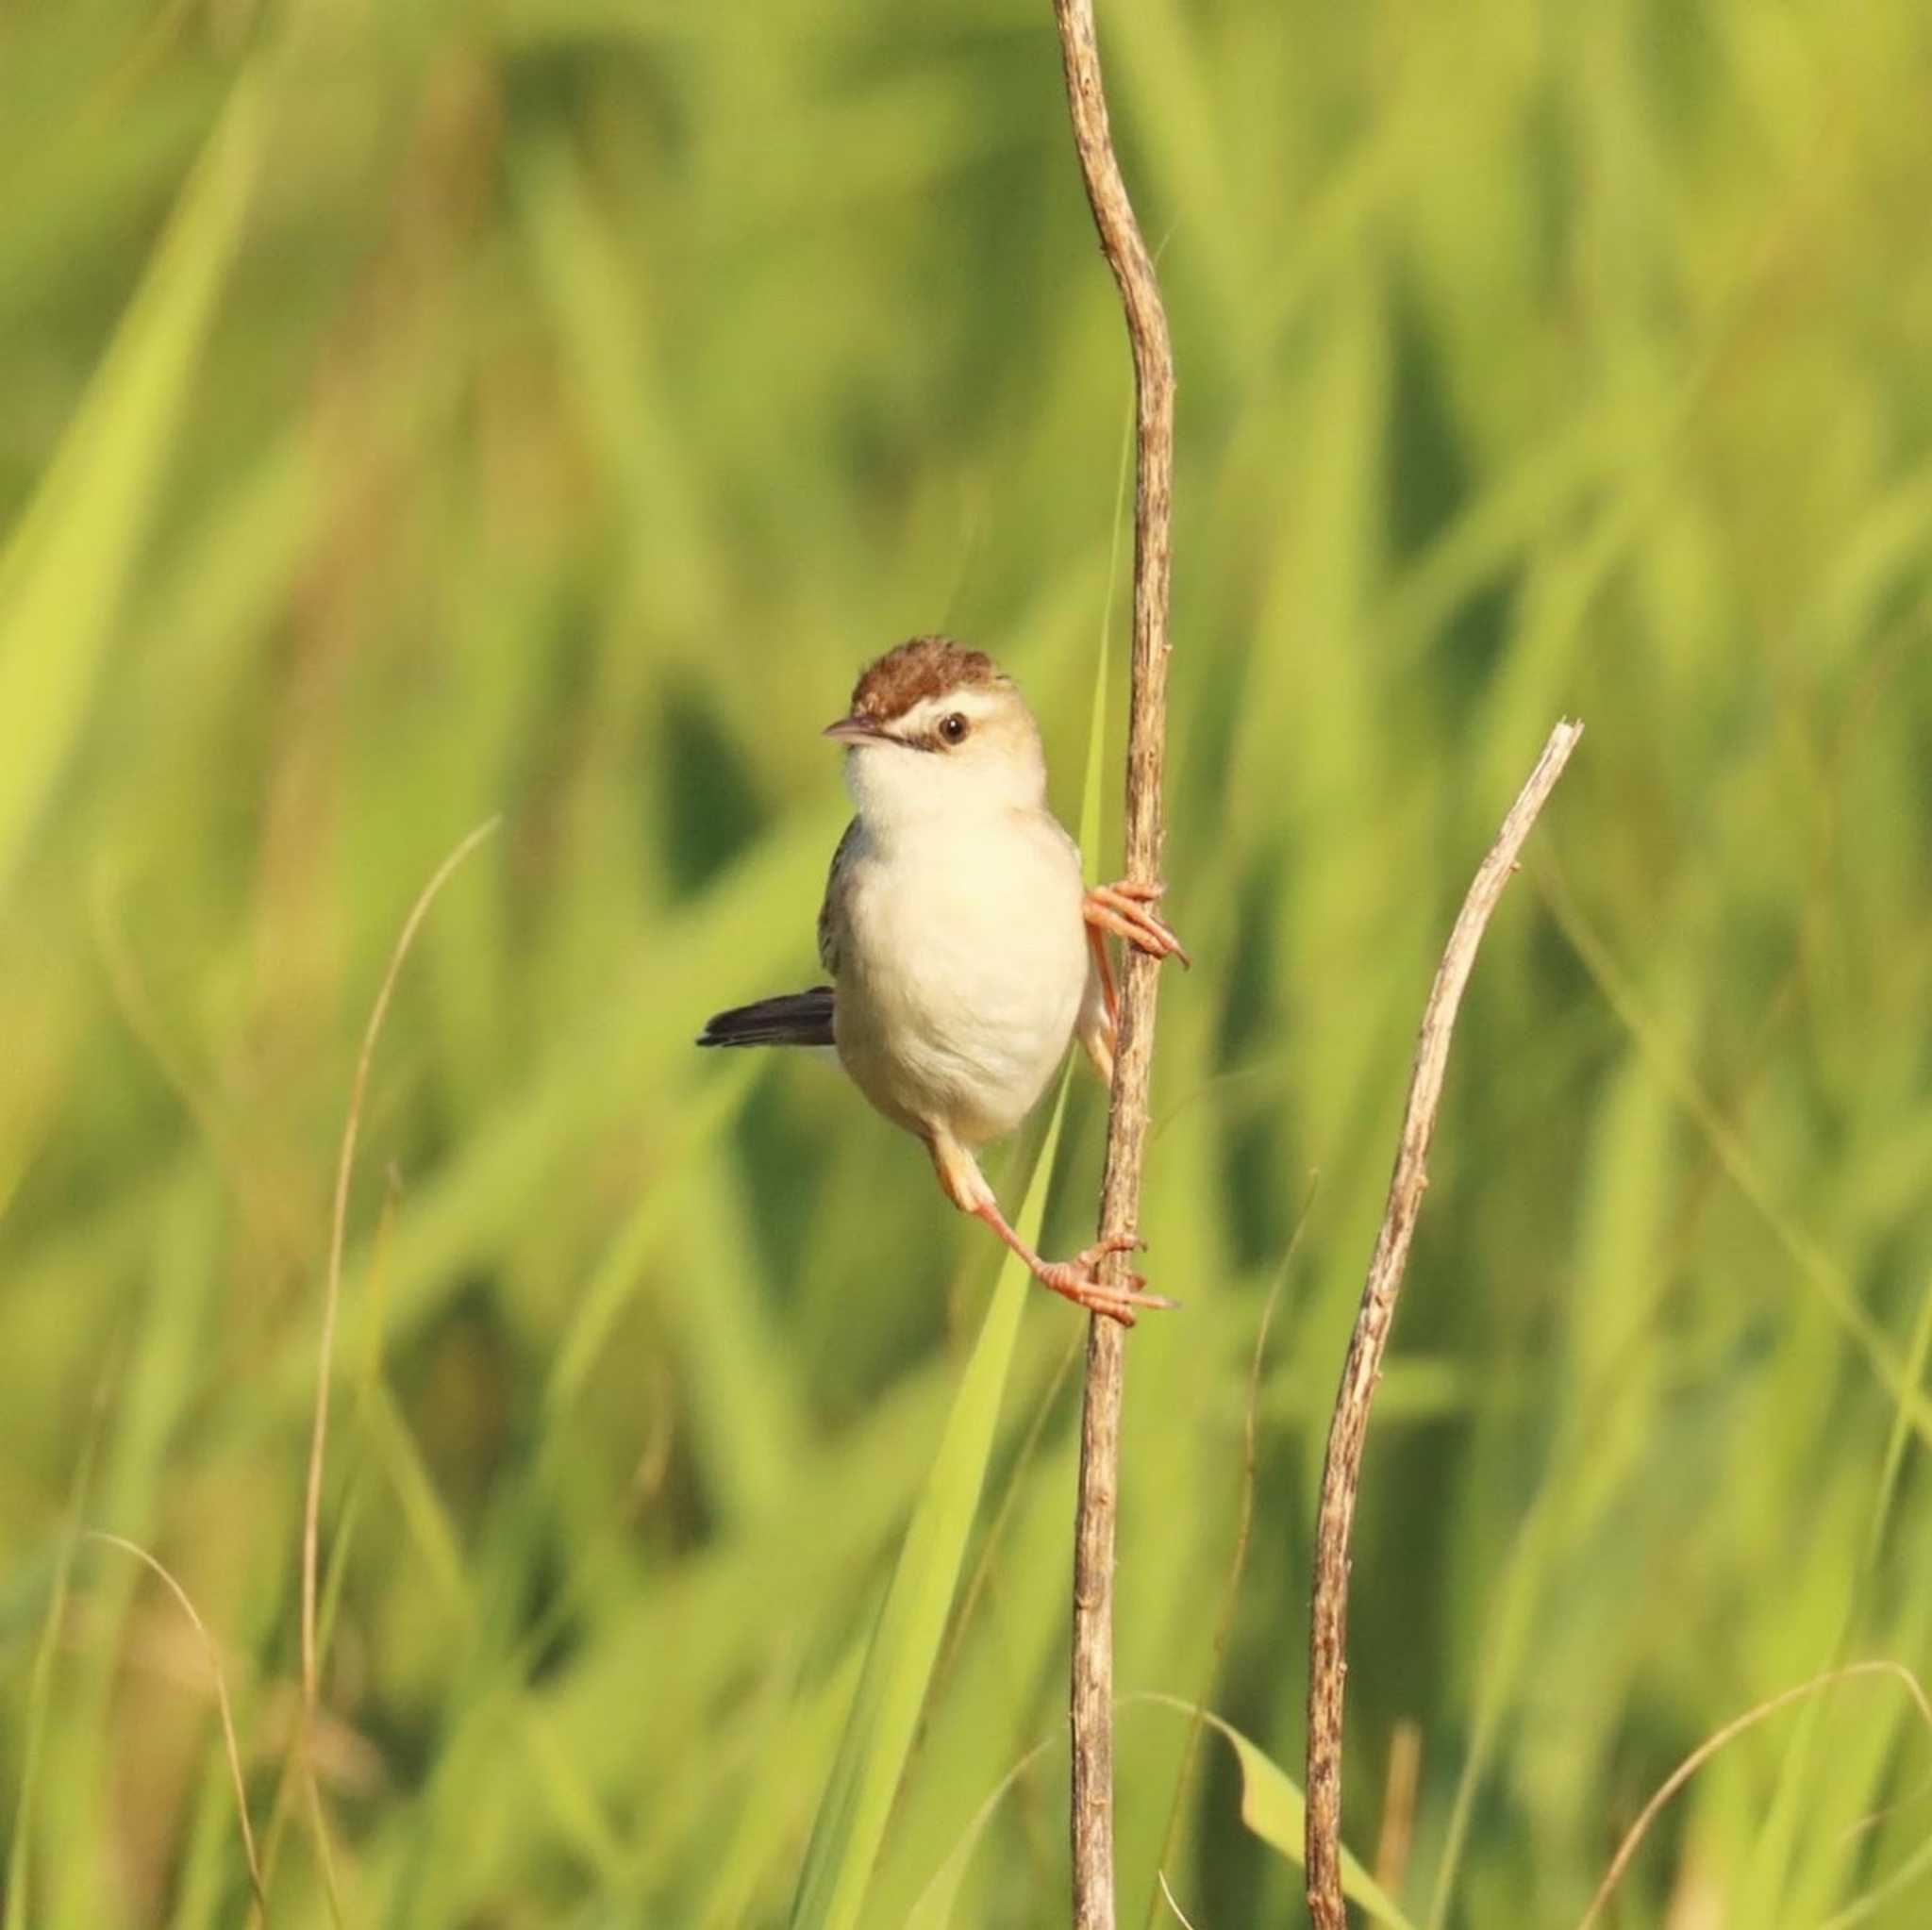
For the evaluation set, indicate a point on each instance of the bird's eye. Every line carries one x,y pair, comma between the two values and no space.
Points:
953,728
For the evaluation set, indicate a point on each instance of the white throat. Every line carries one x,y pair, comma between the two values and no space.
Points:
999,769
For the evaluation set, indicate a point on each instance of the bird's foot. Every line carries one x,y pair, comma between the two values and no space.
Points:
1079,1280
1127,910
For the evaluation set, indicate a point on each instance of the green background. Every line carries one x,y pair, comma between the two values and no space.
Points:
414,413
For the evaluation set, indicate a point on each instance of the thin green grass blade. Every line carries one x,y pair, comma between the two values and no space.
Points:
1787,1814
765,1828
1815,1267
72,555
934,1908
1274,1809
857,1800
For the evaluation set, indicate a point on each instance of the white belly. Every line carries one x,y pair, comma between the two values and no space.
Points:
964,959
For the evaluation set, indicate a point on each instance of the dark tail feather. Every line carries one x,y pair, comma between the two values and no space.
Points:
798,1018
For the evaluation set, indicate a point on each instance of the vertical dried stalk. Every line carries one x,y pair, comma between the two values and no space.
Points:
1090,1702
1341,1470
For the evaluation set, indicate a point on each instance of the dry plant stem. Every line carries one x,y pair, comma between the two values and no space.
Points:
1341,1470
332,1292
1091,1701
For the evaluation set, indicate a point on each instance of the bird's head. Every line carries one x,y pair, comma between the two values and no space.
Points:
937,729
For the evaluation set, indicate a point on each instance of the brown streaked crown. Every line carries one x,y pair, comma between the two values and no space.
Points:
925,667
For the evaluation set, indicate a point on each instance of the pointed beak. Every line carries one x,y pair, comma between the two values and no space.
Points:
856,730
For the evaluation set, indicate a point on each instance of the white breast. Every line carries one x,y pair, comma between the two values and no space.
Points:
963,962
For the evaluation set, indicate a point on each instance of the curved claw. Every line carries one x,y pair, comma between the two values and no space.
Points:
1122,909
1079,1280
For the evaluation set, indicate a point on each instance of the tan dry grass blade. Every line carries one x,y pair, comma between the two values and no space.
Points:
1633,1836
218,1675
332,1289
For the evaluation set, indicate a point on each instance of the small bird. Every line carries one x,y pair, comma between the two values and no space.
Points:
964,951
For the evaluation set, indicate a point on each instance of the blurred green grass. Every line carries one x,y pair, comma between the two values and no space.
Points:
417,413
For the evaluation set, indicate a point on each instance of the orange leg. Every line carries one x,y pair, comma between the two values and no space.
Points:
1125,910
1103,967
1077,1279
